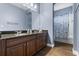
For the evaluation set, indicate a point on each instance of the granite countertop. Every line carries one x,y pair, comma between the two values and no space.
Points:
6,36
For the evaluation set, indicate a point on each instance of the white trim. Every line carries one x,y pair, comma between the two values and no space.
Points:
75,52
69,41
50,45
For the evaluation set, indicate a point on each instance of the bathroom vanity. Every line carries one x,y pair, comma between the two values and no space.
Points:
23,44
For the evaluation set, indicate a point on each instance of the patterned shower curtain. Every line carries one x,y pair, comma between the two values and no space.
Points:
61,23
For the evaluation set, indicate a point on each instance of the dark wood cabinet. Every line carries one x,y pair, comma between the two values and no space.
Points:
17,50
26,45
2,47
44,39
31,47
37,45
41,41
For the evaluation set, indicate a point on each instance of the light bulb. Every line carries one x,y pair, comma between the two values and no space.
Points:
24,4
35,6
31,4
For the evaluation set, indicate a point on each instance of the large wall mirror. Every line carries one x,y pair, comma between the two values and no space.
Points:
16,16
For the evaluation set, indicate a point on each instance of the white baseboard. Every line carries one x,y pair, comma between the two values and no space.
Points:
69,41
50,45
75,52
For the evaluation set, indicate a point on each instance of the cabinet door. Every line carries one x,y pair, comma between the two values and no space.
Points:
38,44
44,40
41,41
18,50
31,47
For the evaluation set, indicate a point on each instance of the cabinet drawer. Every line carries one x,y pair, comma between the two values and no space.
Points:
17,40
17,50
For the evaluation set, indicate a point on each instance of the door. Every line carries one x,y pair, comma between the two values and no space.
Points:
18,50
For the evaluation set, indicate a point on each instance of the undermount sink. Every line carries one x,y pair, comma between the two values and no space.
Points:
21,34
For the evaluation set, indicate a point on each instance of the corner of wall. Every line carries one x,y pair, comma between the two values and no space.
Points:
75,52
50,45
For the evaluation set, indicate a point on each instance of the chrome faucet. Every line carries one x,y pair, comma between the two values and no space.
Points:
18,32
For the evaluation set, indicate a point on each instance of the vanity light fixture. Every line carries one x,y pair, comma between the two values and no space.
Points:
35,6
32,6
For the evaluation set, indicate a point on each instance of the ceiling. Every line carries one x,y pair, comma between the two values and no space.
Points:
24,6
